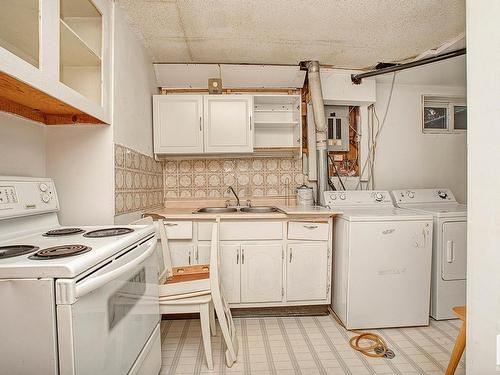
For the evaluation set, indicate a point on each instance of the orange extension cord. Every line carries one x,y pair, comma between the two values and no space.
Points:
377,349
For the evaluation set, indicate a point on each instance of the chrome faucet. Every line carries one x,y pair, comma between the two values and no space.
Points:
231,190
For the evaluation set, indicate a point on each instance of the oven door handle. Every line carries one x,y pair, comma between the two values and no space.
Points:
98,281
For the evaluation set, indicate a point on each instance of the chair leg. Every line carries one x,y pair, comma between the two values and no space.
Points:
458,349
205,333
213,328
231,353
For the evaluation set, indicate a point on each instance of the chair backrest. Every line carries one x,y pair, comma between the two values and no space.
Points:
166,264
215,284
162,249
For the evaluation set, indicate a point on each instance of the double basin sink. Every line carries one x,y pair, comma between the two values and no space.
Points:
224,210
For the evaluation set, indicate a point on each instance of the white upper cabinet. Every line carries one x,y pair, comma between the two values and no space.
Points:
178,124
228,124
59,53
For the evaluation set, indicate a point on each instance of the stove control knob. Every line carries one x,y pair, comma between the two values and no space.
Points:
342,196
43,187
45,198
411,194
442,194
333,197
379,197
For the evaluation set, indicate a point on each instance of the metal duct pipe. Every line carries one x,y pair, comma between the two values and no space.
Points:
320,122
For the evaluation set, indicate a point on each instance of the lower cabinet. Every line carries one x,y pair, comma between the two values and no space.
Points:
261,273
307,271
230,272
182,255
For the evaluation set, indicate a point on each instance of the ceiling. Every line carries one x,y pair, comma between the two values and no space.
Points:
342,33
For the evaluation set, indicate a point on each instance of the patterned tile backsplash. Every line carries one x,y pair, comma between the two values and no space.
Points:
251,177
142,183
138,181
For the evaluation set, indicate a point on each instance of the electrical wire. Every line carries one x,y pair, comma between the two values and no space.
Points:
336,172
378,347
375,136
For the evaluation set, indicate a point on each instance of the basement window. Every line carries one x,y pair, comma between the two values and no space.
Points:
444,114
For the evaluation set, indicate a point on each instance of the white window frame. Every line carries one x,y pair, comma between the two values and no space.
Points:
443,102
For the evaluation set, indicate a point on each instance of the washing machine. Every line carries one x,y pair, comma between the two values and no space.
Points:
381,261
449,254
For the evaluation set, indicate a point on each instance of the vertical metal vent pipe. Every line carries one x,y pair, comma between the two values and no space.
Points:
320,122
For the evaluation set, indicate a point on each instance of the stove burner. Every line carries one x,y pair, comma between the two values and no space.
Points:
60,251
63,232
15,250
108,232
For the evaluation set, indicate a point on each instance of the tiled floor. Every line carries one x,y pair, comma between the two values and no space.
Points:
307,345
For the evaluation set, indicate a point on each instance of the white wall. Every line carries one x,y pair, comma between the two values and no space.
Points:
22,147
80,159
407,158
134,85
483,258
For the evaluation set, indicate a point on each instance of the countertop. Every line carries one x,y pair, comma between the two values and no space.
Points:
286,212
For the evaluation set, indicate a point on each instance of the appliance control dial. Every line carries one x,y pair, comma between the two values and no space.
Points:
411,194
379,197
442,194
333,197
45,198
43,186
342,196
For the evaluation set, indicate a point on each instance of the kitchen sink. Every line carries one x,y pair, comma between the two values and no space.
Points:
215,210
223,210
259,209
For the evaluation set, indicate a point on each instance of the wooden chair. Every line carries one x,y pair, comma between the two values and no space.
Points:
459,347
197,289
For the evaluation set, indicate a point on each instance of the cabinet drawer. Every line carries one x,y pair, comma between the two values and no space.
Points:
243,230
179,230
303,230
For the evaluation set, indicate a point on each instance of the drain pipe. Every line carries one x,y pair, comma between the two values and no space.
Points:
320,122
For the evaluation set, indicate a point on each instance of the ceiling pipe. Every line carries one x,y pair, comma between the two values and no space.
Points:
314,80
356,78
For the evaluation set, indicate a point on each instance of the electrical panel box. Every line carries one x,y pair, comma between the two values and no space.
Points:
337,121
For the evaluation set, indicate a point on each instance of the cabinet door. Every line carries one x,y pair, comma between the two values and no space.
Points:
306,271
230,272
203,254
261,273
228,123
181,255
454,251
178,124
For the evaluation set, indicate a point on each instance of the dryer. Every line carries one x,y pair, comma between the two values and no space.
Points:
382,261
449,256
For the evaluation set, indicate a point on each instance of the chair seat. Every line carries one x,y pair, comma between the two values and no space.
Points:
206,298
185,280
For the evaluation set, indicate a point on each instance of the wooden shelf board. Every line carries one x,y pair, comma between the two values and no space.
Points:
74,50
23,100
276,124
274,110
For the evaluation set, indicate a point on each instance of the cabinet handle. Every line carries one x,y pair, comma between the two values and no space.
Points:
238,257
250,123
291,256
171,224
189,258
310,226
197,254
242,256
200,123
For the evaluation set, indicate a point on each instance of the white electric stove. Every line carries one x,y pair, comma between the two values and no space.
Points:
449,252
75,300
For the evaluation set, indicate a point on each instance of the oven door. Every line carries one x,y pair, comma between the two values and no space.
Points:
115,312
